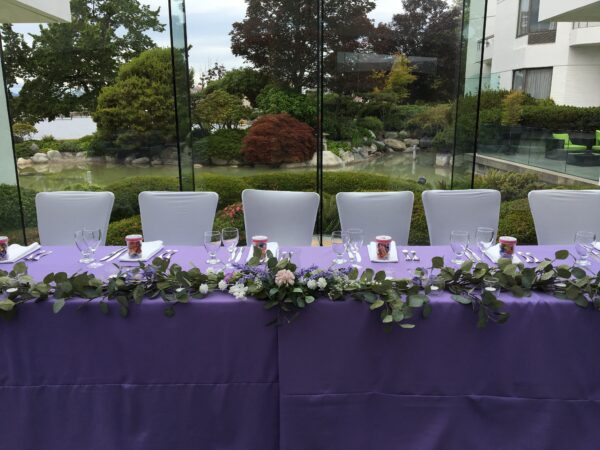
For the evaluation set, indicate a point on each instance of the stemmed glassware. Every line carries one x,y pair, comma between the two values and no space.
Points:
484,238
339,242
231,237
584,240
87,241
355,241
212,243
459,241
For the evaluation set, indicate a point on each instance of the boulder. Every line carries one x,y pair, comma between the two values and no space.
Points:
34,148
329,160
80,155
373,148
403,134
380,145
443,159
198,166
39,158
347,157
95,159
219,162
169,153
395,144
54,155
110,159
68,155
156,162
412,142
24,162
390,135
143,161
129,159
170,162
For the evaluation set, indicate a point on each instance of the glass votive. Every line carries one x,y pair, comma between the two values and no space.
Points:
384,244
436,286
3,248
260,242
491,285
134,245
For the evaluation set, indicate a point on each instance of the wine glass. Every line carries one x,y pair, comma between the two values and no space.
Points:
339,241
87,241
583,244
484,238
231,237
355,241
459,241
212,243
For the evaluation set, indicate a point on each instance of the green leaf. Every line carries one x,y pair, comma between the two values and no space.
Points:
6,305
578,273
466,266
20,268
416,301
388,318
563,272
462,300
58,305
377,304
138,293
407,326
561,254
367,276
104,308
426,312
437,262
380,276
309,299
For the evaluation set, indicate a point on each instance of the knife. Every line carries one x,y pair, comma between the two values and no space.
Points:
114,254
239,254
358,257
474,255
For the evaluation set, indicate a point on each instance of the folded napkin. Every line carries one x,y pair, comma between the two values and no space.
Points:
17,252
149,249
273,247
494,254
373,253
597,245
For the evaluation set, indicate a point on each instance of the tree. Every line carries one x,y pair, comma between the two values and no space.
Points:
400,78
22,131
243,82
280,37
220,109
138,109
429,28
214,73
70,63
273,100
16,54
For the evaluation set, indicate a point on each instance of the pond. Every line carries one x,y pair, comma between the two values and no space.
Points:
56,177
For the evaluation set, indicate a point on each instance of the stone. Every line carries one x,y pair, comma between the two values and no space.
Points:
143,161
170,162
110,159
371,134
34,148
68,155
403,134
380,145
347,157
390,135
198,166
54,155
128,159
39,158
443,159
364,152
95,159
81,155
373,148
156,162
412,142
24,162
395,144
329,160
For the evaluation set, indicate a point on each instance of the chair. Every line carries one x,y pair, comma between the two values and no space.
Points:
61,214
377,213
569,146
558,214
177,218
464,210
287,218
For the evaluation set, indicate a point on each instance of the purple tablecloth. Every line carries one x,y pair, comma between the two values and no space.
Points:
215,377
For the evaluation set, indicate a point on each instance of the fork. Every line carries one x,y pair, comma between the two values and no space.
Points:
526,257
41,255
534,258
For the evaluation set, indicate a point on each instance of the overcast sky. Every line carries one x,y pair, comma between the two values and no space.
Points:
209,23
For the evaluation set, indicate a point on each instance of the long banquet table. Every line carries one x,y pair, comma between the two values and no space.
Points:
216,377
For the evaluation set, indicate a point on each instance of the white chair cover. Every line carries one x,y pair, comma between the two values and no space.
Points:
177,218
559,214
377,213
287,218
61,214
460,210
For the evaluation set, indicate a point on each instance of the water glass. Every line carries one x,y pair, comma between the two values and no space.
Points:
339,241
584,240
356,238
459,241
231,237
484,238
87,241
212,243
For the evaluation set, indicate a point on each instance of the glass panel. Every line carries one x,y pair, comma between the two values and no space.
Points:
523,19
255,98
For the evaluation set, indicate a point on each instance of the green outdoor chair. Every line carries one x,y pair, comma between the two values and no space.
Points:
597,146
569,146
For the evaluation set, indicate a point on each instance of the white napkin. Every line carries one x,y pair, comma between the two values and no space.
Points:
373,253
149,249
17,252
494,254
271,246
597,245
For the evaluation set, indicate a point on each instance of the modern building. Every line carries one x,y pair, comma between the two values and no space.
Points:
547,48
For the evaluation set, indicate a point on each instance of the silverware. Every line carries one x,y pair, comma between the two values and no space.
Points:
113,254
414,256
407,256
468,255
238,256
41,255
358,257
534,258
525,257
167,255
475,255
32,255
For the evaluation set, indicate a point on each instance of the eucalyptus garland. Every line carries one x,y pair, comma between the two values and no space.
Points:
288,290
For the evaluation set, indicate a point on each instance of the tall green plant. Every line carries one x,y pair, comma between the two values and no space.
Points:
512,108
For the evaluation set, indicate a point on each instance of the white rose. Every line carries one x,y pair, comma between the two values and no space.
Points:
238,291
322,283
222,285
312,284
204,288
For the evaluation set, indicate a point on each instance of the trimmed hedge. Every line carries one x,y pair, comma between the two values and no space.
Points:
10,214
561,118
229,188
516,221
121,228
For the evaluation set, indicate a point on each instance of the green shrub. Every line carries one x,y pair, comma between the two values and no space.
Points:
331,218
10,214
274,100
334,182
516,221
121,228
430,120
512,108
68,147
371,123
229,188
419,234
127,191
23,150
337,147
512,185
225,144
283,181
200,150
558,118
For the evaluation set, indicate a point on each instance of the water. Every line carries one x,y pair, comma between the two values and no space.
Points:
56,176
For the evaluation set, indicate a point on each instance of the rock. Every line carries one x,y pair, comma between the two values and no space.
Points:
156,162
39,158
347,157
41,168
34,148
329,160
81,155
68,155
198,166
403,134
54,155
390,135
364,152
412,142
299,165
129,159
143,161
443,159
95,159
371,134
380,145
395,144
24,162
373,148
110,159
170,162
169,153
